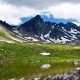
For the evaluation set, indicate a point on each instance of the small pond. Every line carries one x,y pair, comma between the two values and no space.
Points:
39,71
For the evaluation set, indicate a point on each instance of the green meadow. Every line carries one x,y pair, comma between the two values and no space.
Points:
30,52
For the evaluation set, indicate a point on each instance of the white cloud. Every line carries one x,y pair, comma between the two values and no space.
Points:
12,14
39,4
66,11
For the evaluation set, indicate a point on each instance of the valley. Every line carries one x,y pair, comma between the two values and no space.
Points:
29,53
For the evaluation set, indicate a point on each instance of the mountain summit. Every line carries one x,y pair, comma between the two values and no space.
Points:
33,26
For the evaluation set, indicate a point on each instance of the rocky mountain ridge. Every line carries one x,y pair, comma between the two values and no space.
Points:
36,29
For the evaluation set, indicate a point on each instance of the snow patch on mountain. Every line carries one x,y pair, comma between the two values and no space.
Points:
31,39
47,35
78,24
42,37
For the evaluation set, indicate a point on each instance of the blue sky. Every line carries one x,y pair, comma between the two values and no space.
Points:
12,11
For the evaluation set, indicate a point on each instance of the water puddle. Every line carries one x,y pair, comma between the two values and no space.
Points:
40,71
45,53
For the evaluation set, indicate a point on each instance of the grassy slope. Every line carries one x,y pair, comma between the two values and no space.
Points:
29,52
6,35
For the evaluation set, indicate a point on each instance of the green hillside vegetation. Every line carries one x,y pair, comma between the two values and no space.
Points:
30,52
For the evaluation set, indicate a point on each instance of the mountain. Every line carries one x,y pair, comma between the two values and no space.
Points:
36,29
47,16
6,25
6,33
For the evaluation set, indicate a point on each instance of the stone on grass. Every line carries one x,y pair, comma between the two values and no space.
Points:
45,66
